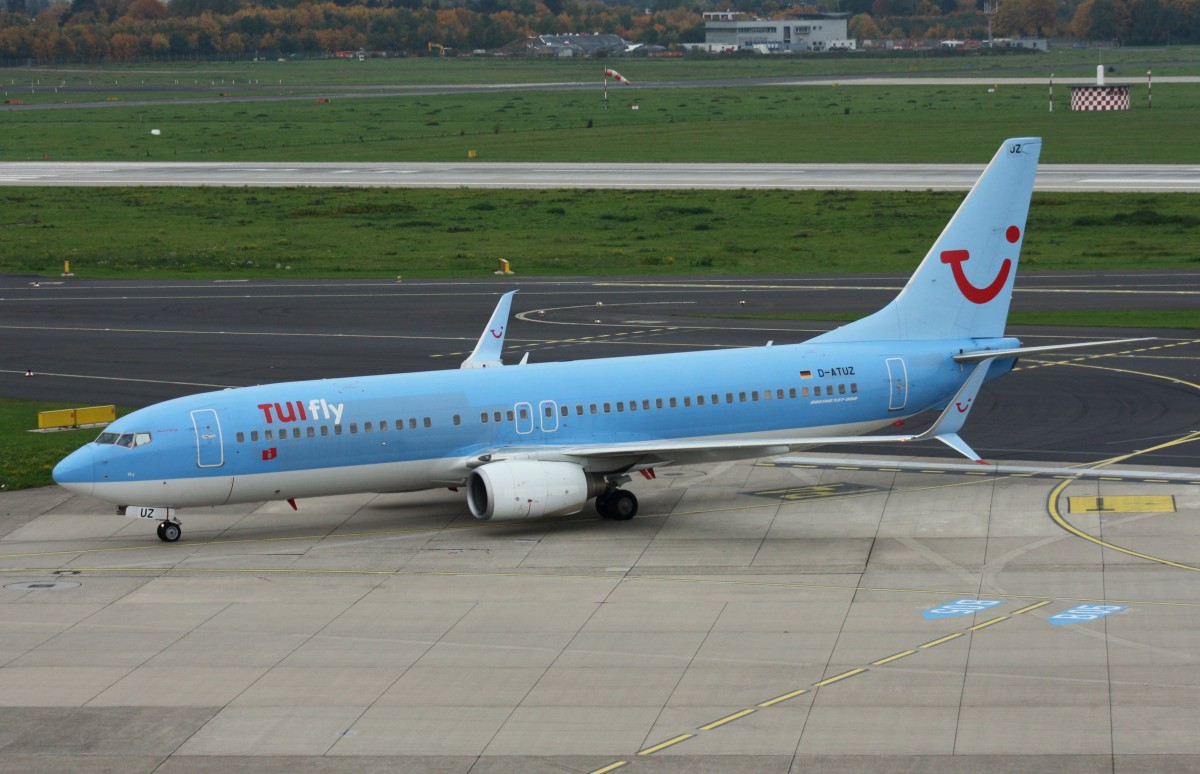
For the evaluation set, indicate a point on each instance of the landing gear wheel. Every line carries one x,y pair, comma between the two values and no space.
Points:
169,531
618,505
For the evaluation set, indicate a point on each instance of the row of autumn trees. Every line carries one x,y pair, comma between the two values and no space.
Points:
1129,22
127,30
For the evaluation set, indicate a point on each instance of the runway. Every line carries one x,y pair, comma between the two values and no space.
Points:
848,614
1051,177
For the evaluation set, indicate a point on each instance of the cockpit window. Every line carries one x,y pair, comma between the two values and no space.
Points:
128,440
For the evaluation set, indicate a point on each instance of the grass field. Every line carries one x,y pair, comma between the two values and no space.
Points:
241,232
74,82
780,124
28,457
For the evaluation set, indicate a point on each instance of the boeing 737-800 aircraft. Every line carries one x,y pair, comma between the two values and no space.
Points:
535,440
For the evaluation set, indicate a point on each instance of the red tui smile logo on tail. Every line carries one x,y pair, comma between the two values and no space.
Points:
977,295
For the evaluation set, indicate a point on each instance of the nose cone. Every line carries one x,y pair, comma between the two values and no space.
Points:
77,472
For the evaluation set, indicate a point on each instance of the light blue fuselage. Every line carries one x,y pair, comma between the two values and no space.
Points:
410,431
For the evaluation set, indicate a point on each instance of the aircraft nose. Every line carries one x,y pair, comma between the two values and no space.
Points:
77,471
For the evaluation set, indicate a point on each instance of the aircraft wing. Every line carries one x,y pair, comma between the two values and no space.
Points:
945,429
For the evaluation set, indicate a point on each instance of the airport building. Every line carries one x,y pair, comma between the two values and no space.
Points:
729,31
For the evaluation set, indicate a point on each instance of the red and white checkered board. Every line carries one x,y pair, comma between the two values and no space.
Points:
1099,97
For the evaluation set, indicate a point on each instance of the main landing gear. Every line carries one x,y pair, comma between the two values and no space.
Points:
617,504
169,531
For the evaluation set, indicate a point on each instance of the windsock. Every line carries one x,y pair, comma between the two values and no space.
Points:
616,76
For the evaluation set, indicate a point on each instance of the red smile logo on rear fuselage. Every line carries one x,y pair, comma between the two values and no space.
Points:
978,295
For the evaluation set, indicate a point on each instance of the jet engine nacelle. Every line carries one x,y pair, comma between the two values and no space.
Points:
528,488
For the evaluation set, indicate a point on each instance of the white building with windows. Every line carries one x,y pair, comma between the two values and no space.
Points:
729,31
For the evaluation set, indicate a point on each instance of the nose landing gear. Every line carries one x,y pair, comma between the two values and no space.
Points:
169,531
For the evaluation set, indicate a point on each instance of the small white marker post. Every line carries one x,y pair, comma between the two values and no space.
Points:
1149,94
1051,92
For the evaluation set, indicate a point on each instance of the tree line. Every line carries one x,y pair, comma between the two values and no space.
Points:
127,30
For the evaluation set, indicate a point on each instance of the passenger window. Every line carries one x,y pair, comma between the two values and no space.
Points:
741,397
716,399
241,437
853,387
253,435
658,403
366,427
578,409
354,428
508,414
699,400
428,422
645,404
804,392
268,435
607,408
729,397
324,430
337,429
549,411
483,417
592,408
754,395
817,390
524,412
457,420
779,393
791,392
564,410
633,405
620,407
841,389
295,432
312,433
674,403
687,401
383,425
767,394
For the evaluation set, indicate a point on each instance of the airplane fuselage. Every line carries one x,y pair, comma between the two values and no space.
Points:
413,431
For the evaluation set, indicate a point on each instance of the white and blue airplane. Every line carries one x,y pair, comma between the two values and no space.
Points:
533,440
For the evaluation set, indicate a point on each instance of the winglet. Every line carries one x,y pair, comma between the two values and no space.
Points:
491,342
954,416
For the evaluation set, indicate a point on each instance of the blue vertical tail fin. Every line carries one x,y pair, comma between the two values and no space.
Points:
963,287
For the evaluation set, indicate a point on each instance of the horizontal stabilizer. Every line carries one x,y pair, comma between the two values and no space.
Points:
1001,354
